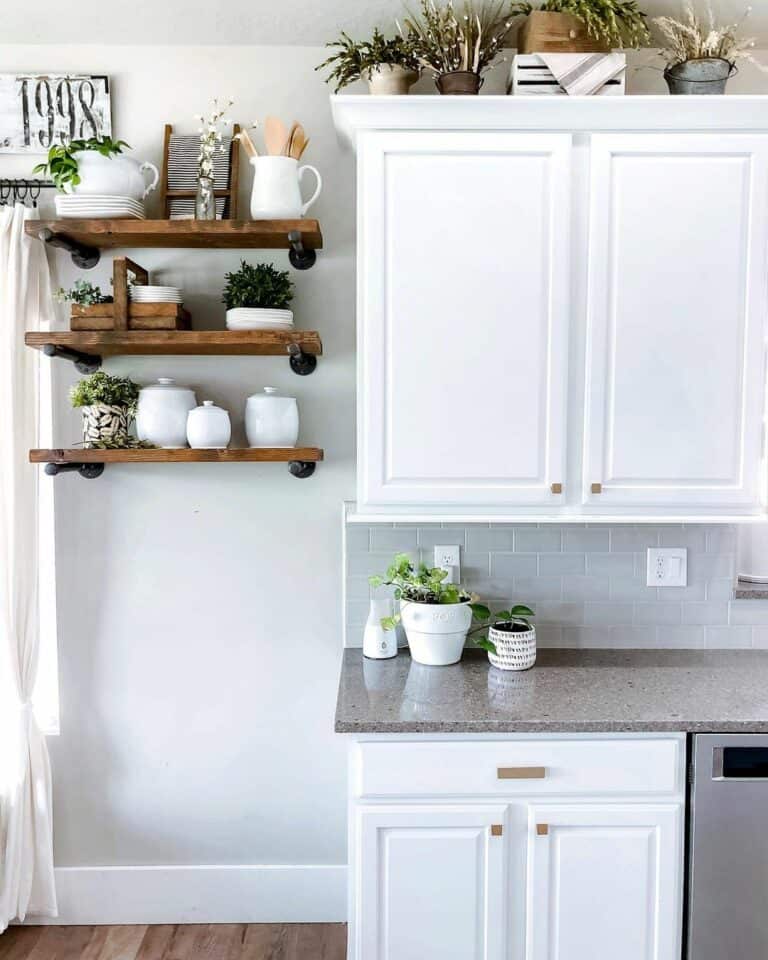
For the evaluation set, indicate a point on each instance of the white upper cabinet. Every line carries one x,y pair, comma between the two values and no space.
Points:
676,320
463,293
562,306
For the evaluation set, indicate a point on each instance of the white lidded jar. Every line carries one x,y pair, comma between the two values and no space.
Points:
271,420
208,427
162,413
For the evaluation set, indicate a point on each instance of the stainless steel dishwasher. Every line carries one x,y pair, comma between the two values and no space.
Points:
728,851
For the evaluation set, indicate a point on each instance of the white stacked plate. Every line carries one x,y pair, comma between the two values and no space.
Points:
250,318
154,294
98,207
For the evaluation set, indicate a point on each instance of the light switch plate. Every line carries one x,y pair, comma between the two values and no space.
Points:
448,558
667,567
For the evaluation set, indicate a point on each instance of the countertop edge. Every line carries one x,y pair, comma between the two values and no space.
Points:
652,726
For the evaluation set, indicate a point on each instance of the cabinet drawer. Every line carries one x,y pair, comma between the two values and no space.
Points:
518,767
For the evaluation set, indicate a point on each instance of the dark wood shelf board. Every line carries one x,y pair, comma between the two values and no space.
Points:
232,234
180,455
269,343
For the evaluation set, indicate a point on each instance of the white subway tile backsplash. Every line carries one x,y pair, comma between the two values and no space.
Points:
736,638
430,537
705,612
694,538
586,588
514,565
633,539
582,540
607,612
554,564
631,588
611,564
658,612
396,540
491,540
749,612
538,541
528,589
683,638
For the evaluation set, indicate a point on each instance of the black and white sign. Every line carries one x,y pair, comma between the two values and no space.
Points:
38,111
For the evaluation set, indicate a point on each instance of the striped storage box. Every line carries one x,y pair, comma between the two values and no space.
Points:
530,76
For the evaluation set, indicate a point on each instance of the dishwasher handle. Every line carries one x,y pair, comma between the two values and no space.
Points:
740,763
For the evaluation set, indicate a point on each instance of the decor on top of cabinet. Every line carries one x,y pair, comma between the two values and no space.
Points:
258,297
568,74
436,615
460,45
508,636
208,427
271,420
581,26
701,57
388,66
108,405
162,413
276,191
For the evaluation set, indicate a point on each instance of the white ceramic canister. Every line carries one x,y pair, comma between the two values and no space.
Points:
276,193
117,176
271,420
162,413
208,427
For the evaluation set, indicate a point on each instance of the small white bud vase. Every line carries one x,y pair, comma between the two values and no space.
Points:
271,420
162,414
515,649
208,427
378,643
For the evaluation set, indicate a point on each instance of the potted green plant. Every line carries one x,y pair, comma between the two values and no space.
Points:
81,294
508,636
108,405
436,615
701,57
258,297
460,45
581,26
97,167
389,66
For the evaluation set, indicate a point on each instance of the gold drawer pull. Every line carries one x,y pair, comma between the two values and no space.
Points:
596,488
521,773
556,487
496,830
542,829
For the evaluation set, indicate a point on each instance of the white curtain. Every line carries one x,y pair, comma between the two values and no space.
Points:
26,830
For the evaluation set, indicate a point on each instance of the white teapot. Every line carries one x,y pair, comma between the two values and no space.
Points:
116,176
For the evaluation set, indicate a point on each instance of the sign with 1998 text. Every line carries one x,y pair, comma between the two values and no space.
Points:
38,111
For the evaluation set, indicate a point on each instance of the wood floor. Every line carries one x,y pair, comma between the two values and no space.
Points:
219,941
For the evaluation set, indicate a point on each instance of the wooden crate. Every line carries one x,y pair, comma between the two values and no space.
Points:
530,76
545,32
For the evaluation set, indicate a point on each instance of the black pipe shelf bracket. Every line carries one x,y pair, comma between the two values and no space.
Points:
301,257
301,468
90,471
83,256
84,362
301,363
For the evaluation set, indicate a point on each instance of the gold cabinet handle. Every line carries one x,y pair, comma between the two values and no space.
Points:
521,773
556,487
596,488
496,830
542,829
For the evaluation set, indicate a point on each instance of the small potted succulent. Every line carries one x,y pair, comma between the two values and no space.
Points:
581,26
258,297
97,166
109,406
458,45
508,636
436,615
701,57
388,66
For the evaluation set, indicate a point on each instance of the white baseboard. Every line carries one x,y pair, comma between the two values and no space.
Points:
200,894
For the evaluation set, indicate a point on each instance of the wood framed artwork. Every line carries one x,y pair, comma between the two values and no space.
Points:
38,110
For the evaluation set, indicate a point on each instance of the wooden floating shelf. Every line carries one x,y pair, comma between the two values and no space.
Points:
267,343
179,455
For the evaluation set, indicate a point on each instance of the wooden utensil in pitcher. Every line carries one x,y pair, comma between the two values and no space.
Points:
275,136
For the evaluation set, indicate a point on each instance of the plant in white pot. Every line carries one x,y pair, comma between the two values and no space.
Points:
97,167
508,636
388,66
108,405
436,615
258,297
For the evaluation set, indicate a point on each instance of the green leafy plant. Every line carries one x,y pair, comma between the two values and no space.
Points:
513,620
62,166
690,38
83,293
619,23
259,286
100,387
470,38
417,584
355,60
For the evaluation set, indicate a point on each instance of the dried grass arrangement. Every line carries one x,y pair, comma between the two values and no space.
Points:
692,38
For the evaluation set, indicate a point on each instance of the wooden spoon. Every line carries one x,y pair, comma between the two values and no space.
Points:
298,142
247,143
289,142
275,136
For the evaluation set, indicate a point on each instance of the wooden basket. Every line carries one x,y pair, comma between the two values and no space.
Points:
545,32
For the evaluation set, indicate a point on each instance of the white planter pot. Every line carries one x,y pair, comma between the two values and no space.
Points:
515,650
436,632
271,420
388,79
259,318
162,415
118,176
208,427
276,193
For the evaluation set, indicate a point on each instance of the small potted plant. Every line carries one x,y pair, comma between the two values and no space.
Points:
97,166
109,406
508,636
701,57
389,66
459,46
258,297
581,26
436,615
83,293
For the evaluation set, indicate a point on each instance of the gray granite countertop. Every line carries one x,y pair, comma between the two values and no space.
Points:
745,590
567,691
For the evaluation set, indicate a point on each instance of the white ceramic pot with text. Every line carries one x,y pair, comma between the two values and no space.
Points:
276,193
436,632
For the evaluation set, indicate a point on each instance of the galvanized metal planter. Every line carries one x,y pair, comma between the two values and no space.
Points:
708,75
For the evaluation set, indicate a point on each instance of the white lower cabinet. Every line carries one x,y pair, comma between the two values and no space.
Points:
533,866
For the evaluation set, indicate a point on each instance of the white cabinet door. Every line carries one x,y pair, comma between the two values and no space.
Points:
676,313
463,278
604,882
431,883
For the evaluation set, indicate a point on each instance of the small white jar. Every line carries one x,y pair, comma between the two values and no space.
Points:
161,417
208,427
271,420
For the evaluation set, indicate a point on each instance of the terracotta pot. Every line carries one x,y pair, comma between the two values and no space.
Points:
459,82
545,32
390,79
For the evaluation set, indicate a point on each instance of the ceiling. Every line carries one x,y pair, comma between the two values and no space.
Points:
280,22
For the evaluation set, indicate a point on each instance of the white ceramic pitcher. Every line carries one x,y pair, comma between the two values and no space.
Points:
276,193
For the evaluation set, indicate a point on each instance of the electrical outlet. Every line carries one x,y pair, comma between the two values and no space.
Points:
667,567
448,558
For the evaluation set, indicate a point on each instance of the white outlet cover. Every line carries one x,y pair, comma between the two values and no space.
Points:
448,557
667,567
